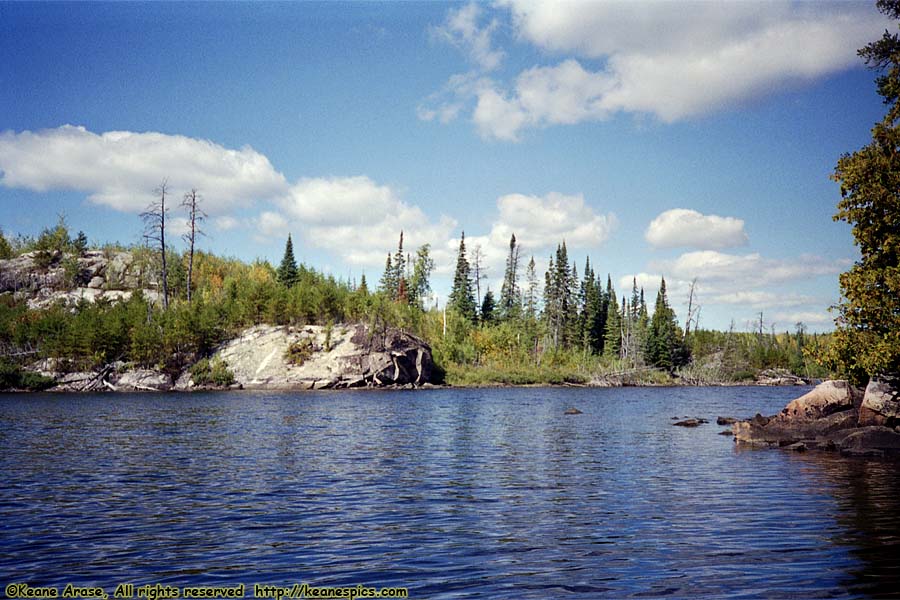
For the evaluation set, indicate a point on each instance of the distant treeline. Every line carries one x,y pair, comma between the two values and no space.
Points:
573,328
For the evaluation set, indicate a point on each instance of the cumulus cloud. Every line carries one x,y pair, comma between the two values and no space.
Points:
749,269
668,60
358,219
681,227
120,169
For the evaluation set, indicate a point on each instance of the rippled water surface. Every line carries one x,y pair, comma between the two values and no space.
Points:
451,493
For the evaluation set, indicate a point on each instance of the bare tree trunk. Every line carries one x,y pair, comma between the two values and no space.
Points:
195,215
155,229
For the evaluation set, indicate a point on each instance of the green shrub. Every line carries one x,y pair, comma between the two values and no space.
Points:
13,377
212,372
300,351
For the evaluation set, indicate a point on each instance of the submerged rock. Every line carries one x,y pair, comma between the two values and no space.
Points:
690,422
726,420
573,411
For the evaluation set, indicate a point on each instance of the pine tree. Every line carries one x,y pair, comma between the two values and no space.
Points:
399,276
612,339
510,296
665,348
487,307
287,271
363,288
462,296
388,283
419,284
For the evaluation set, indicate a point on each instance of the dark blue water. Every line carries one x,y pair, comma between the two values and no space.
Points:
450,493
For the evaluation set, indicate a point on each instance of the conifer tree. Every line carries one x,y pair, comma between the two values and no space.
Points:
612,340
664,340
462,296
487,307
510,296
363,288
287,271
531,306
399,276
388,283
419,285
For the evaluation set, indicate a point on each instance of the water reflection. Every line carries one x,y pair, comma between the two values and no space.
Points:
451,493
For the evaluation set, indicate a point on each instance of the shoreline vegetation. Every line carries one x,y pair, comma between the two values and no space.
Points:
67,308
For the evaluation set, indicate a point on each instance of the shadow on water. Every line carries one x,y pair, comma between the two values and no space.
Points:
867,493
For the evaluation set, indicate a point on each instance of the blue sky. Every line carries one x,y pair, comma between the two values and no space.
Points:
691,140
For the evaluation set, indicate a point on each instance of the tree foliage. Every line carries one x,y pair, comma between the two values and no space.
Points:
867,340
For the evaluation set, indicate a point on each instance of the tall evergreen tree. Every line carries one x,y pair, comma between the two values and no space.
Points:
612,338
419,284
510,296
287,271
388,283
665,348
531,298
487,307
399,277
462,296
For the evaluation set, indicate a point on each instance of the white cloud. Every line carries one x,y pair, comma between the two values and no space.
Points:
748,269
226,223
548,220
761,298
358,219
270,226
120,169
666,59
681,227
787,319
462,30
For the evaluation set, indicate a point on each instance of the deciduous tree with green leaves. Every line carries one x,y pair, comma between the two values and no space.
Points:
867,340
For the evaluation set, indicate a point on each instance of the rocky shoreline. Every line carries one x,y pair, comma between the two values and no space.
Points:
834,416
267,357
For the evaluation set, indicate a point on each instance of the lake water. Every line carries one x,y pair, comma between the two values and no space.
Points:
450,493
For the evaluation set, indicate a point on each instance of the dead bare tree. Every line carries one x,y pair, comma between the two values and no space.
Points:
477,260
195,216
693,312
155,230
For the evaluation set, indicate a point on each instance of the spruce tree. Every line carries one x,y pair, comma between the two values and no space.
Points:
510,296
665,348
388,283
487,307
612,339
287,271
462,296
400,291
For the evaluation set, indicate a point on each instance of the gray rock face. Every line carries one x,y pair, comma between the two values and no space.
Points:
346,356
142,380
110,275
881,404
